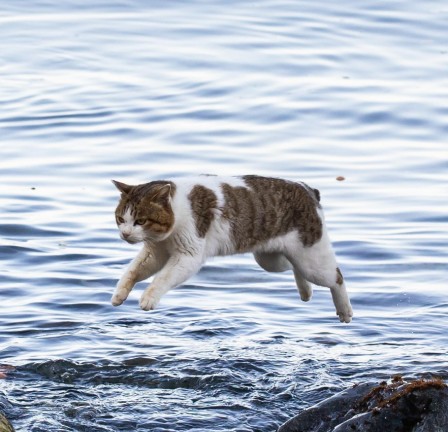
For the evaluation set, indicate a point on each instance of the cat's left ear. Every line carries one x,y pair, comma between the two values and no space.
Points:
122,187
163,194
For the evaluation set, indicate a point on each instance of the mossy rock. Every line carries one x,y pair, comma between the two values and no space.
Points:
5,426
397,406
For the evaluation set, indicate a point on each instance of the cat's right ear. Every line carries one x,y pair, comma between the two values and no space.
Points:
122,187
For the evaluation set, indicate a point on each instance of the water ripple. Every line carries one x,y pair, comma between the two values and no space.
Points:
136,91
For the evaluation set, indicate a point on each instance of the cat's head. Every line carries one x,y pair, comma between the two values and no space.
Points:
144,212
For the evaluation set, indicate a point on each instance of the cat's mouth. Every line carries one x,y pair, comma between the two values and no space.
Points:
129,239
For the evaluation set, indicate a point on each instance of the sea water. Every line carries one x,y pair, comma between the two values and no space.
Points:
350,97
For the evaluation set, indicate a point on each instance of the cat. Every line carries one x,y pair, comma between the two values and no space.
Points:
182,223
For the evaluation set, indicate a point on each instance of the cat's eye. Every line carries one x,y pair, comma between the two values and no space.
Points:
120,219
140,221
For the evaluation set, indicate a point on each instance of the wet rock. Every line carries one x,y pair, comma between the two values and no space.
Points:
397,406
5,426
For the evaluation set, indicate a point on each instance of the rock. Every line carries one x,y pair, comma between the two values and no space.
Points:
5,426
397,406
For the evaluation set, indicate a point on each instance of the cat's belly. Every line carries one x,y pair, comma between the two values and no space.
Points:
224,246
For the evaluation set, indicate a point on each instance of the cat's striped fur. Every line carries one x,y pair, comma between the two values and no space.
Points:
182,223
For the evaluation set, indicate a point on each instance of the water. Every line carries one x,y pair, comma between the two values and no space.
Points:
140,90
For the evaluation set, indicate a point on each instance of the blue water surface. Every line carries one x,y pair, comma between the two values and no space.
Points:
138,90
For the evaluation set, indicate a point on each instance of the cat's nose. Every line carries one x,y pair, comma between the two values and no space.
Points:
127,237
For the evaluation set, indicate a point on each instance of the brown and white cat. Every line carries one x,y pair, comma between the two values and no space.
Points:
183,223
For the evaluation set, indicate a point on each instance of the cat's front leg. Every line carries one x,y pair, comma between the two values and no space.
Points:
145,264
176,271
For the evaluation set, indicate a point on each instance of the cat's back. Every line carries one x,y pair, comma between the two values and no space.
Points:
258,192
252,209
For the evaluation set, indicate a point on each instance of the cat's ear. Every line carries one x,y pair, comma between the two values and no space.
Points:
163,194
122,187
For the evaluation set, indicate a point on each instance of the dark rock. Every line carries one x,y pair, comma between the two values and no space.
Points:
397,406
5,426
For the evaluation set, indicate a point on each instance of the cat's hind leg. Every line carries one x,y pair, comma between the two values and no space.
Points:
277,262
305,289
317,264
340,298
144,265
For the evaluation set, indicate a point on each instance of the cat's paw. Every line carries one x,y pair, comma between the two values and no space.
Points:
346,314
118,298
148,301
306,297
